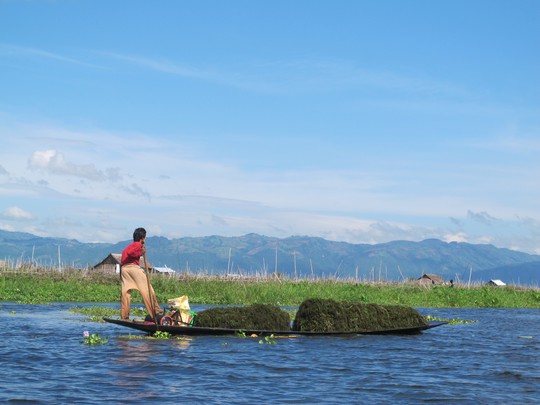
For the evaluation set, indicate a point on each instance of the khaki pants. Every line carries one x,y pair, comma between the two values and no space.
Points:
134,278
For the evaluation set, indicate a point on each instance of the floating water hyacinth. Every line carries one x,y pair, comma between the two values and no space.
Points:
269,340
162,335
93,339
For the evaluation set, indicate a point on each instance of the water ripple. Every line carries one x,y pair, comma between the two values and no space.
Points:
494,360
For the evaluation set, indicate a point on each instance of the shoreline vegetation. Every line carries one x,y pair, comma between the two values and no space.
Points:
38,286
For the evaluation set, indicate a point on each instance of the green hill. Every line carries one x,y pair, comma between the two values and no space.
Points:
299,256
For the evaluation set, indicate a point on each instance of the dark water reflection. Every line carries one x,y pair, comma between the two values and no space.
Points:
494,360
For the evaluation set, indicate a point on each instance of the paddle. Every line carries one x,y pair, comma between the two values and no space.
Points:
152,298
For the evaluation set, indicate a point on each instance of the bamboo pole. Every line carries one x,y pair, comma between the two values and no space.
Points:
151,297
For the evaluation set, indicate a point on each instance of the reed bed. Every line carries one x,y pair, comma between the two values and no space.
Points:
41,285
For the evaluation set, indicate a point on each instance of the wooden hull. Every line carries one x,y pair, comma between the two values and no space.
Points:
151,328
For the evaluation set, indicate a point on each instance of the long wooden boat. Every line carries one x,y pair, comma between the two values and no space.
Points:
150,328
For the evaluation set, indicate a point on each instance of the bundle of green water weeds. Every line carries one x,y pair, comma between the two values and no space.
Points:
326,315
252,317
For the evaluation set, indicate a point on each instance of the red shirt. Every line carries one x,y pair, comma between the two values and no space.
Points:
132,253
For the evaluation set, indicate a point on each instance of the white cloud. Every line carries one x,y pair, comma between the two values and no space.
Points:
136,190
7,50
178,189
455,237
486,240
482,217
511,142
17,214
161,65
299,75
55,163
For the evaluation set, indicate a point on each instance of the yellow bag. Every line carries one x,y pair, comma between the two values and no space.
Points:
182,305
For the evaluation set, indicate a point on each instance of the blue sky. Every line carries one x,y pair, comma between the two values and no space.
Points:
357,121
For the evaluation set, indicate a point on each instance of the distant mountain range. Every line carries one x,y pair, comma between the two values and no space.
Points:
300,256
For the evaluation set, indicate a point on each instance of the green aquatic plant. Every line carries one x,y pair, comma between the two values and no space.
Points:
91,339
535,296
97,313
269,340
94,311
252,317
134,337
451,321
327,315
77,286
160,334
95,318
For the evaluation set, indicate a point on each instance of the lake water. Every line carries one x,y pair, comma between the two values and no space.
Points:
495,360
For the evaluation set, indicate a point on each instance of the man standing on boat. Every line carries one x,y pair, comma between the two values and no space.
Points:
134,277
